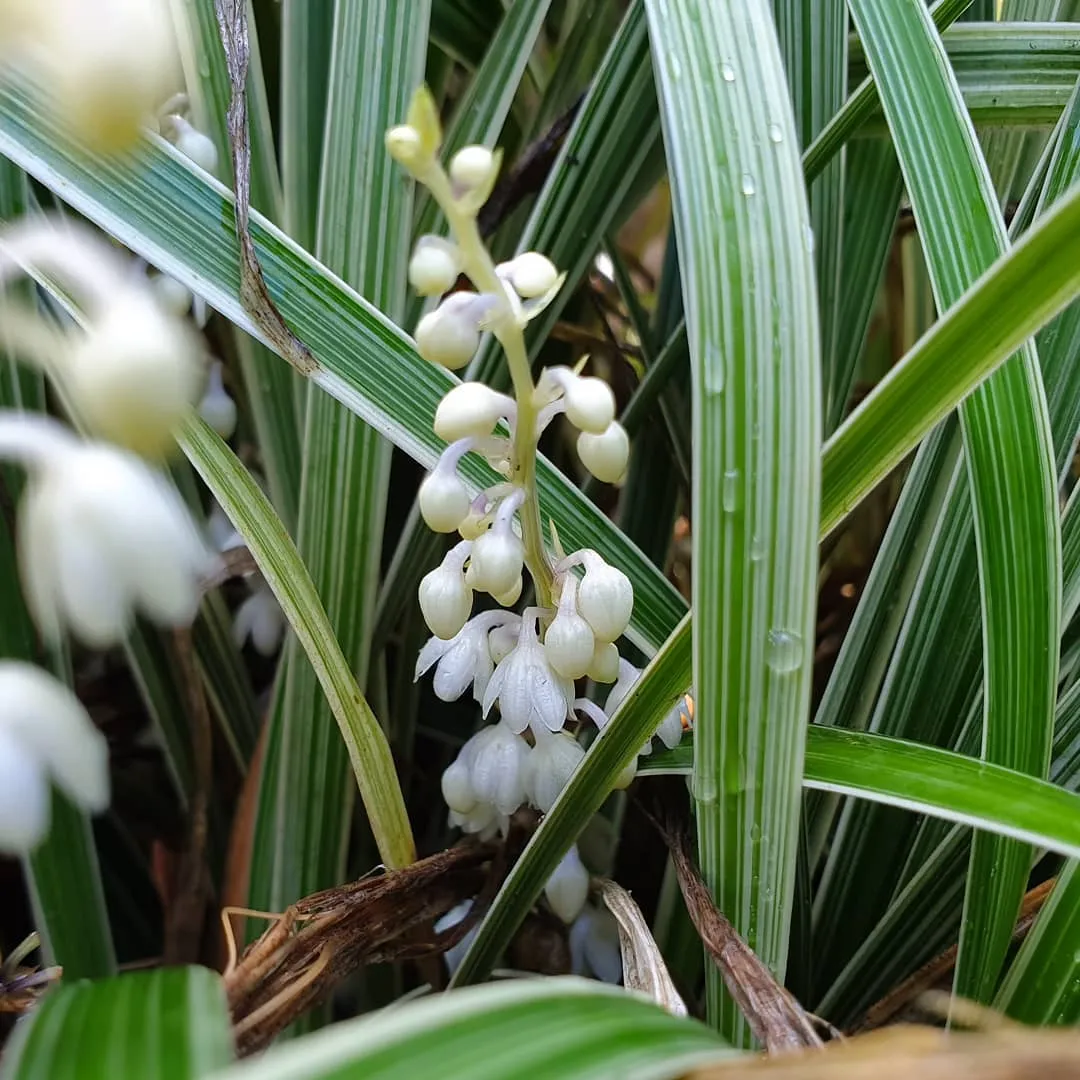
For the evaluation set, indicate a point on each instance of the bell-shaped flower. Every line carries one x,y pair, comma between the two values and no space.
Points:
529,693
594,945
588,401
498,555
100,534
261,619
551,764
497,758
45,734
444,499
445,599
569,642
605,597
465,660
217,407
471,409
605,455
568,887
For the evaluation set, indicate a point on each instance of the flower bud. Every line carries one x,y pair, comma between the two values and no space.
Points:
444,502
604,667
530,273
569,642
434,266
568,888
405,145
447,339
134,374
457,789
216,407
471,409
550,766
471,167
589,402
194,145
626,777
445,599
497,760
511,596
498,555
174,296
606,455
605,598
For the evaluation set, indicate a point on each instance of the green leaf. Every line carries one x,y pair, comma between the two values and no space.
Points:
171,1024
541,1027
1008,448
280,564
462,28
742,221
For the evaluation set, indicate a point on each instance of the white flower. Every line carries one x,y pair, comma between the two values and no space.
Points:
44,733
456,953
444,500
222,532
569,643
260,618
527,690
483,821
471,167
605,455
465,660
174,296
604,666
503,640
496,758
445,599
498,554
405,145
107,65
100,534
471,409
217,408
594,945
628,675
605,597
450,335
531,274
457,787
193,144
568,887
434,266
550,766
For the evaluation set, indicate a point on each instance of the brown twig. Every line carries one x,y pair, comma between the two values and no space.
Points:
776,1019
254,295
322,939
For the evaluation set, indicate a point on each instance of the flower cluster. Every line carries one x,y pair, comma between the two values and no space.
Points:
101,533
526,663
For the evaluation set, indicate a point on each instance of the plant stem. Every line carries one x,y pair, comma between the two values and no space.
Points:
480,269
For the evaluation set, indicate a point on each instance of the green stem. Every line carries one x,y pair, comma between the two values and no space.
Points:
480,269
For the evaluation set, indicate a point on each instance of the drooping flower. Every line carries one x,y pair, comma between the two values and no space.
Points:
465,660
551,764
568,887
444,499
529,693
605,455
445,598
594,945
100,535
569,642
217,407
45,734
497,758
498,555
261,619
605,597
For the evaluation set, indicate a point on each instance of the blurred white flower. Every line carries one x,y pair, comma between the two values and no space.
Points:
568,887
594,945
45,734
217,407
550,765
456,953
261,619
100,534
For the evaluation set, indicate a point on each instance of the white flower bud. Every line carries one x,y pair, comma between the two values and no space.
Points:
445,599
447,339
568,888
550,766
483,820
405,145
217,408
498,554
471,409
626,777
569,642
174,296
463,661
511,596
260,618
194,145
134,373
594,945
457,789
444,501
434,266
471,167
496,759
604,667
605,598
589,402
531,274
606,455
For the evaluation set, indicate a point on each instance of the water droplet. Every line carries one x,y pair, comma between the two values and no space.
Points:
705,791
757,548
808,238
714,370
674,67
748,187
755,833
783,651
727,73
775,134
729,494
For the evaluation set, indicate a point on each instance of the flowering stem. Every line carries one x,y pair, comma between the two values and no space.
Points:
480,269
